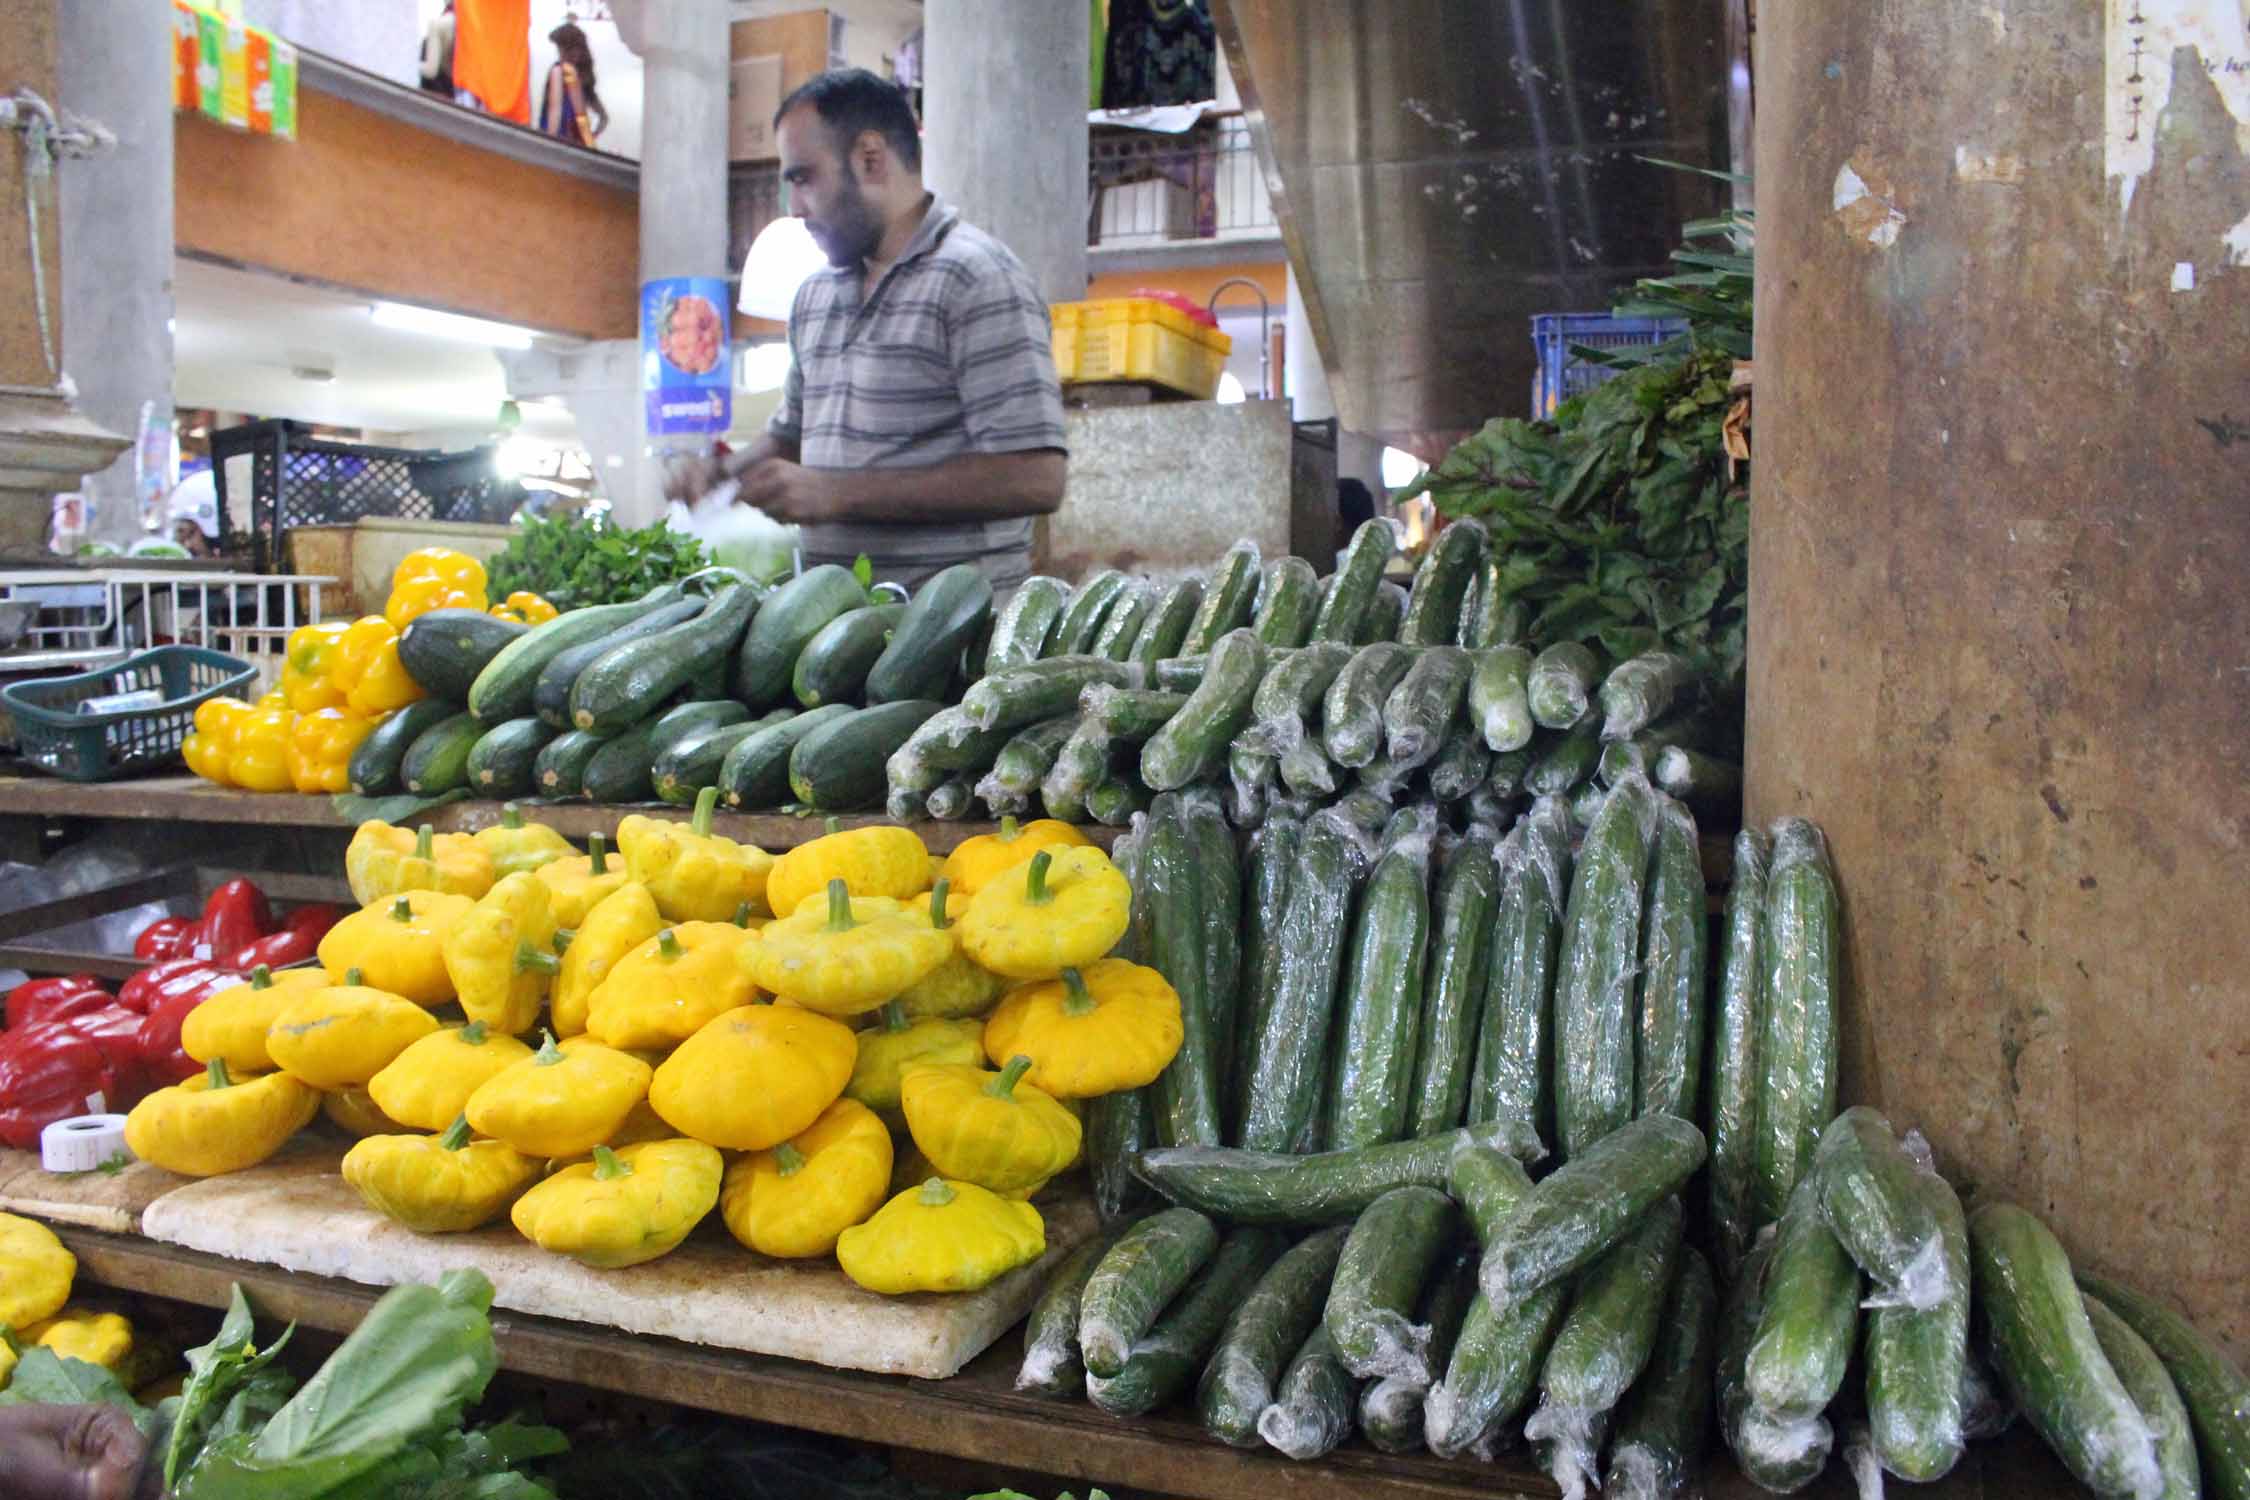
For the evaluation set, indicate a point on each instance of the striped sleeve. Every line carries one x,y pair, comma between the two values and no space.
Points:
1003,358
787,424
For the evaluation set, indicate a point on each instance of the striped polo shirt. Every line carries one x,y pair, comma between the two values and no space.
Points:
949,354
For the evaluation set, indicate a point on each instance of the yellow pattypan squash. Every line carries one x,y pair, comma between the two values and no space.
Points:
669,988
342,1036
880,861
438,1184
355,1112
500,958
794,1200
35,1271
516,847
895,1043
398,945
98,1338
383,861
1068,909
563,1100
941,1237
979,861
959,986
429,1084
231,1026
211,1124
626,918
577,883
1114,1025
642,1124
694,874
991,1129
910,1169
754,1077
625,1206
850,957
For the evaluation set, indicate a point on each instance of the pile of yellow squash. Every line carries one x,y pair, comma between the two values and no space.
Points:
853,1049
36,1276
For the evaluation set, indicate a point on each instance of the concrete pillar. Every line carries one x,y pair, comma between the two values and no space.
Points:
1004,127
114,65
684,139
1304,379
1997,603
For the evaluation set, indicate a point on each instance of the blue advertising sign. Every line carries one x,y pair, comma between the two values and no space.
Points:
687,379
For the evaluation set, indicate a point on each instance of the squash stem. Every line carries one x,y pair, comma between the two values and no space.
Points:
563,935
597,852
839,906
1004,1086
402,910
530,960
938,893
456,1134
789,1159
1035,890
706,802
668,945
831,825
353,978
425,842
216,1071
475,1034
261,978
742,915
1077,999
511,816
894,1016
548,1054
608,1165
935,1193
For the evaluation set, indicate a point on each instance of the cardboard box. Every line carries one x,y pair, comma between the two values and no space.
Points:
753,94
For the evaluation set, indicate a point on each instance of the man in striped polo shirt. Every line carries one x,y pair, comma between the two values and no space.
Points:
921,422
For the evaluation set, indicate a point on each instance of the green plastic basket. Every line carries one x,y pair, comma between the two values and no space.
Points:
54,736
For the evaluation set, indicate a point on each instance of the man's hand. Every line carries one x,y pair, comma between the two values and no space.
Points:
73,1453
790,491
688,475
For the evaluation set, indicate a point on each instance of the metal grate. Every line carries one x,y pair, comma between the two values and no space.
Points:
300,480
1150,188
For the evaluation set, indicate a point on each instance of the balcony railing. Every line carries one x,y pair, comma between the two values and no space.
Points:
1148,189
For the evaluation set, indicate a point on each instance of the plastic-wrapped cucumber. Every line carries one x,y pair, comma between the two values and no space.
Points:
1136,1280
1312,1408
1078,764
1250,786
1288,597
1343,608
1051,1366
1230,595
1387,1260
1461,765
1306,771
1455,558
1870,1192
1023,762
949,741
1560,686
1294,686
1492,810
1586,805
1166,627
1797,951
1121,626
1610,1330
1697,729
1497,1355
1118,1129
1329,1187
953,798
1266,1328
1184,1099
1796,1363
2213,1386
1081,623
1515,1044
1391,1409
903,804
2158,1399
1115,797
1917,1358
1733,1113
1569,1451
1166,1359
1129,715
1986,1410
1384,613
1589,1203
1594,971
1499,705
1776,1455
1026,622
1509,771
1192,745
1668,1054
1423,706
1486,618
1700,780
1218,874
1657,1452
1563,762
1643,690
1352,713
1379,1017
1024,696
1454,984
1265,894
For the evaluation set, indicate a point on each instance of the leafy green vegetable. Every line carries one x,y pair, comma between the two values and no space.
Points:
218,1373
44,1378
576,562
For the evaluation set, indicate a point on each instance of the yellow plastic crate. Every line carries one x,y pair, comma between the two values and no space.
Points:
1141,339
1064,316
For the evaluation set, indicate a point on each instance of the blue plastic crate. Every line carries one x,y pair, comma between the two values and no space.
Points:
1561,374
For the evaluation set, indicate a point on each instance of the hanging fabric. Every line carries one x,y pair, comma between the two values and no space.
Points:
1159,52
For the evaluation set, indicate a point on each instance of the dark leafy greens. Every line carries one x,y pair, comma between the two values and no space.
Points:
576,562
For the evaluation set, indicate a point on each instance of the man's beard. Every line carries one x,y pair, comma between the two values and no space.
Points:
851,237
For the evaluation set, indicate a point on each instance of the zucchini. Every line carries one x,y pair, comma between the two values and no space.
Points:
833,666
1797,997
503,689
1775,1455
1192,744
500,762
1657,1452
1560,686
1263,1187
375,764
1391,1409
1462,911
1384,612
1379,1006
1121,627
1312,1407
2043,1348
1642,690
2214,1388
1023,696
1563,762
1352,712
1288,597
1610,1331
1804,1342
1135,1281
627,683
954,798
1515,1042
838,767
1344,607
1025,623
788,618
1387,1260
1869,1190
1433,611
1589,1203
1917,1360
755,773
1229,595
1161,1365
1023,761
550,695
1051,1366
1497,701
690,763
1594,971
2155,1396
1265,895
1168,623
1423,706
1081,622
1501,1345
559,770
1265,1328
941,622
1733,1112
438,760
621,770
1461,765
1668,1052
445,649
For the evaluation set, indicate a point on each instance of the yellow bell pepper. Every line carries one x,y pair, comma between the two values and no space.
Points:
342,1036
881,861
794,1200
976,862
398,944
563,1100
365,668
205,757
1069,909
694,874
231,1026
355,1112
896,1043
991,1129
35,1272
500,956
98,1338
577,883
958,987
434,1077
625,1206
321,743
514,845
754,1077
622,921
383,861
941,1237
525,608
257,749
438,1184
305,677
1114,1025
664,991
433,578
211,1124
851,957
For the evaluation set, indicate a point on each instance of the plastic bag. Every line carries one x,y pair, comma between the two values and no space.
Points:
1515,1046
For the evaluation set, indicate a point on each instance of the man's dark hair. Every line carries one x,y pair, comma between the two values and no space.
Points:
851,101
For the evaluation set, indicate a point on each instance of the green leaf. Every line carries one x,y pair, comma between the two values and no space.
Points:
216,1372
44,1378
863,570
402,807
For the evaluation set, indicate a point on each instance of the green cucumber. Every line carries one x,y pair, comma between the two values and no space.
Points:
1118,1129
1493,811
2044,1349
503,690
1560,686
1028,754
1642,690
1423,705
1699,730
1384,612
1229,595
1294,686
1461,764
952,799
1218,874
1734,1061
1391,1412
1797,1001
1796,1363
1162,1363
1312,1407
622,770
438,760
941,621
1265,895
1025,623
1306,771
788,618
1589,1203
1352,712
1051,1366
500,762
1081,622
2145,1379
949,742
1870,1192
833,666
838,767
1497,701
1775,1455
1508,771
626,683
1115,797
1702,781
1023,696
1465,633
375,764
1515,1043
1593,1008
1657,1450
755,773
1250,785
559,770
445,649
1462,910
1266,1327
1288,597
1668,1051
1433,611
1129,715
550,695
1178,674
1344,607
1918,1358
1192,745
692,762
904,804
974,656
1184,1099
1082,760
1121,627
1134,1282
2213,1386
1490,617
1563,762
1501,1346
1263,1187
1378,1028
1387,1259
1168,623
1610,1331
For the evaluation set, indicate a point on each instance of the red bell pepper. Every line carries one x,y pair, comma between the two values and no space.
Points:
170,1000
32,1000
277,950
49,1073
161,939
71,1006
117,1031
177,975
315,918
235,916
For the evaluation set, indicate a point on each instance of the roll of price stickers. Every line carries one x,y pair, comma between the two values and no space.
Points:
82,1143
